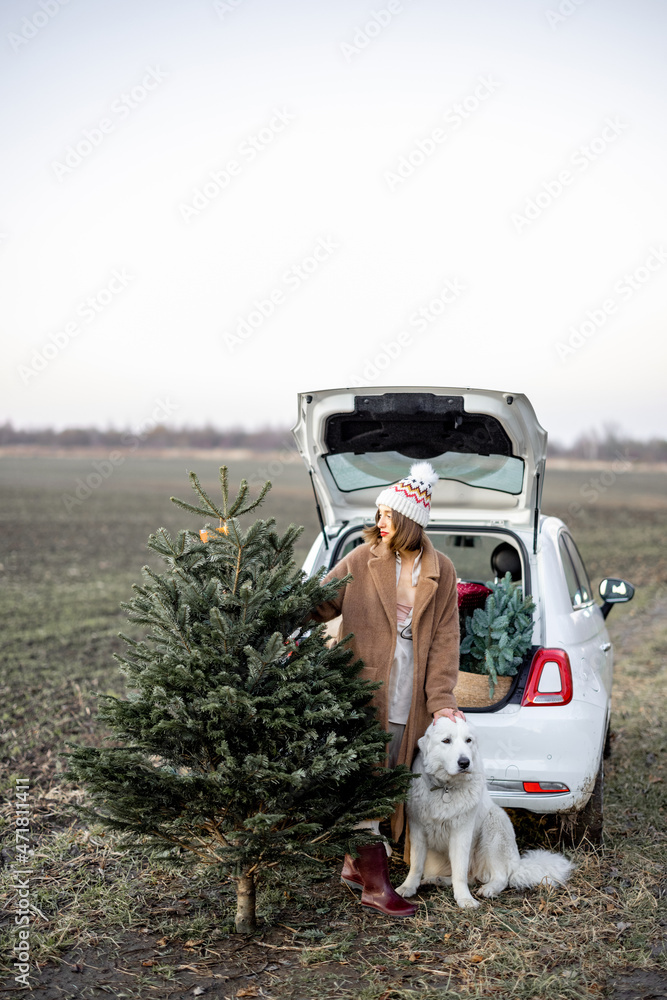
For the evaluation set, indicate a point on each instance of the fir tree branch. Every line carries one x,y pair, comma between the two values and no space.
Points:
322,837
199,489
238,569
187,847
193,510
234,532
171,628
224,485
240,497
235,511
214,830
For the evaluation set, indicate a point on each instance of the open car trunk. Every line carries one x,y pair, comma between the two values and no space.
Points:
488,449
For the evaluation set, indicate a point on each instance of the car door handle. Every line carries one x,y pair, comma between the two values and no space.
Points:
605,646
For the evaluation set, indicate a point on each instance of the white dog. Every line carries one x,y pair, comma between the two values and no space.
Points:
457,832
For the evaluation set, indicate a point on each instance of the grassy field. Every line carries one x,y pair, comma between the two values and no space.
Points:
132,926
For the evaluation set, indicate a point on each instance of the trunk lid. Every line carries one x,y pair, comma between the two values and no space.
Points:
487,447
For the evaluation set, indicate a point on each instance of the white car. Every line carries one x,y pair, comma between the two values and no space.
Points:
544,742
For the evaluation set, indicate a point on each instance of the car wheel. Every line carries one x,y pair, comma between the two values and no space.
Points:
586,824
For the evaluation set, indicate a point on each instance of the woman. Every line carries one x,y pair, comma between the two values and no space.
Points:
402,607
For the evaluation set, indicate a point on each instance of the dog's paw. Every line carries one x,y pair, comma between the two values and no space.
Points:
489,890
407,889
467,903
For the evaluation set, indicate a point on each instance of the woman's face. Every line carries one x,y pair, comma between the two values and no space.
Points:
385,523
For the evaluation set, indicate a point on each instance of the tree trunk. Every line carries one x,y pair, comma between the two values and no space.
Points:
245,905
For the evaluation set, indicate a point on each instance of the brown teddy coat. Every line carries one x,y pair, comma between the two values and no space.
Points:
368,608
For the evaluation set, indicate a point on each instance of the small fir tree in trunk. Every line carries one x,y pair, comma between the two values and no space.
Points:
245,738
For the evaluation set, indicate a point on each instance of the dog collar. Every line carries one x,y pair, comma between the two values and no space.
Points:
438,786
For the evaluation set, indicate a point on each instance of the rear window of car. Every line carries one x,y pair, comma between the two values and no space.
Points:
472,555
376,469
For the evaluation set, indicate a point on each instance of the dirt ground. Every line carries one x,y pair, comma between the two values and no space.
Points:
270,967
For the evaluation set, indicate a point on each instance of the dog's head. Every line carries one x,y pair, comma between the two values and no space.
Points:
449,748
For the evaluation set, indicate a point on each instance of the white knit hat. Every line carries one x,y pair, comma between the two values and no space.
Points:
412,495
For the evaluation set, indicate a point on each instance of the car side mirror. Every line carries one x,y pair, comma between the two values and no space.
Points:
613,591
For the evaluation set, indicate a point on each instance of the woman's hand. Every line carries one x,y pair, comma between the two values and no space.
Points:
448,713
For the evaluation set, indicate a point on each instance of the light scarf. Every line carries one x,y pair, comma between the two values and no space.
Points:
402,668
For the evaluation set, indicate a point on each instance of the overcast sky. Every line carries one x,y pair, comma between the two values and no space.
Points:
210,206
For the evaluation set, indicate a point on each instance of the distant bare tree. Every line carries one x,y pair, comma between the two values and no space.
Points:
608,445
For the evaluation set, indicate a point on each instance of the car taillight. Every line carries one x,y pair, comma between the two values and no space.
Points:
550,679
539,787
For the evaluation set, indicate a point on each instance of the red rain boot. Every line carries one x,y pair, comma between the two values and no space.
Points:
377,891
350,874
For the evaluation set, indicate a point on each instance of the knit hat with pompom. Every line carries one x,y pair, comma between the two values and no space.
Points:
412,495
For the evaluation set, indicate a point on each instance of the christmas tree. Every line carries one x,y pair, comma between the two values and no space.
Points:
245,738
